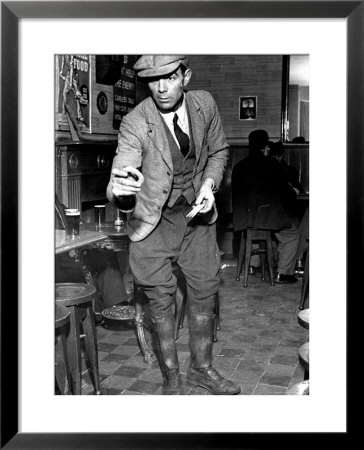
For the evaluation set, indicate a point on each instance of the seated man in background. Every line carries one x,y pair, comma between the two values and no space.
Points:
276,150
262,198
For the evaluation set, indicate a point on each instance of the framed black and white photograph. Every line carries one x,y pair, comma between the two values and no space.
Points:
61,112
248,108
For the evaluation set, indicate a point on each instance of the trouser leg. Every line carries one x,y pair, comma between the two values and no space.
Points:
154,275
151,264
303,230
199,261
287,249
193,247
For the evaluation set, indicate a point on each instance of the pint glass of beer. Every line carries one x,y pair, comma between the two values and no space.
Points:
72,223
99,215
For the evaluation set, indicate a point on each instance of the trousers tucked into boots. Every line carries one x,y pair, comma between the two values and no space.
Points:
201,373
164,328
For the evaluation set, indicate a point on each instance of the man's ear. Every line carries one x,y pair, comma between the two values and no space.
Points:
187,77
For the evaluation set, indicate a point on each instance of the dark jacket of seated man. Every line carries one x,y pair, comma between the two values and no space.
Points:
261,194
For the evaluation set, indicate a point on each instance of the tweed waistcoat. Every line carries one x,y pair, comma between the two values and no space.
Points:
142,142
183,168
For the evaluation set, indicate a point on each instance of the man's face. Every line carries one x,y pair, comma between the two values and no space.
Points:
167,91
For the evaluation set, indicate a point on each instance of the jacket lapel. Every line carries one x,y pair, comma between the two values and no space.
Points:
197,124
157,133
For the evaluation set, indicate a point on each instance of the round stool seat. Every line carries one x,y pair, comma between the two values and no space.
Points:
302,388
71,294
119,312
303,354
304,318
62,316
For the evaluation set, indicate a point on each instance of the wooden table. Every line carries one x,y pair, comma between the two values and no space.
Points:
117,240
116,237
86,238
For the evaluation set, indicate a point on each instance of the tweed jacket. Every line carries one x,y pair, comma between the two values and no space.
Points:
143,144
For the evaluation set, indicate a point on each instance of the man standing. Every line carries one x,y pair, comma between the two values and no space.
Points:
171,156
262,198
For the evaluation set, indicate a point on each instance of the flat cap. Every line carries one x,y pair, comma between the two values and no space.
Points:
149,66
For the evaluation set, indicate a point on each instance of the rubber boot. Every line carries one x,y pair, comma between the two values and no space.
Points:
201,373
164,328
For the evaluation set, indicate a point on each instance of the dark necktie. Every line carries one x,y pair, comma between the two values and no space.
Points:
182,138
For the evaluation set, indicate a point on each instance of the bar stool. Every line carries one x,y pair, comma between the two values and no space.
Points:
78,298
134,313
62,365
246,251
304,358
301,388
303,318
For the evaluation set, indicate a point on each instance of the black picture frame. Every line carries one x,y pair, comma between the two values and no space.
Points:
248,107
11,13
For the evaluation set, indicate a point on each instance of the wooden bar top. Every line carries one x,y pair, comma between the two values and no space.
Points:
86,237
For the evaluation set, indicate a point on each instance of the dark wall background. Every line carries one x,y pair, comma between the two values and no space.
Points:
227,77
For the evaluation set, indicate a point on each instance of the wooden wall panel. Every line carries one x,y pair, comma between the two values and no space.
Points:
227,77
293,109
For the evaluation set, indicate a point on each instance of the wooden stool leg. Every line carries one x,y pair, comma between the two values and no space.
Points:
66,362
270,258
262,254
217,310
62,366
214,329
304,291
74,351
91,346
181,302
59,365
240,256
248,250
139,323
216,321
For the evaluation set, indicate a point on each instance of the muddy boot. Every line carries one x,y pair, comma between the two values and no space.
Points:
167,354
201,373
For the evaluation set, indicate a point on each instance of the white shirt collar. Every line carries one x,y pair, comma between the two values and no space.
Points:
182,117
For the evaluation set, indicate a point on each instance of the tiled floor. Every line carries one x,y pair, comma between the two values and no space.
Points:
257,345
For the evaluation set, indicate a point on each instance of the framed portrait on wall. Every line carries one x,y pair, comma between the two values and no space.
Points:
248,108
